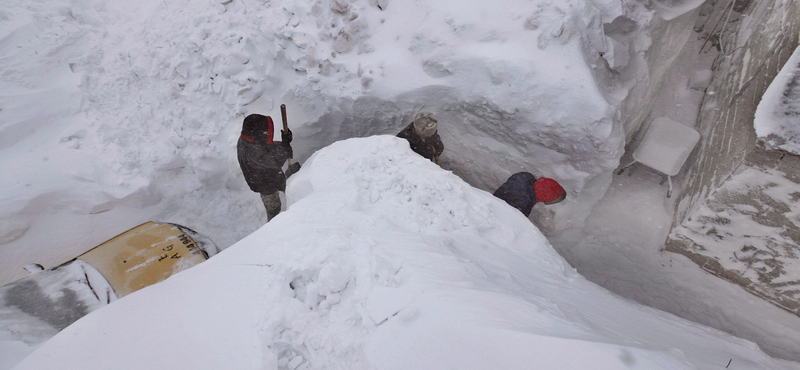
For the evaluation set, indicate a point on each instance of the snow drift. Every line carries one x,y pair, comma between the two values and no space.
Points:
116,113
119,113
384,260
775,119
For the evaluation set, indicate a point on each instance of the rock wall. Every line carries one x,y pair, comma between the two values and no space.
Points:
752,51
736,216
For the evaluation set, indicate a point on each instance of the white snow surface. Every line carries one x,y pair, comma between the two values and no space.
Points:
383,260
778,113
131,110
116,113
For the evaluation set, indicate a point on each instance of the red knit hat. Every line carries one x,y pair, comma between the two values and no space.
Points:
548,191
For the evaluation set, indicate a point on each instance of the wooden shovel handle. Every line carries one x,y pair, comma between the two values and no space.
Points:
283,117
285,126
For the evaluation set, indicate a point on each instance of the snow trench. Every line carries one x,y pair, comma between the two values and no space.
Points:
554,88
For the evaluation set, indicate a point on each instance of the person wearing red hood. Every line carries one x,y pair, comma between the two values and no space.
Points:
522,190
262,160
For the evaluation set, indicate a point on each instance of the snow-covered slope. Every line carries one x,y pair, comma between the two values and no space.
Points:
776,119
385,261
118,113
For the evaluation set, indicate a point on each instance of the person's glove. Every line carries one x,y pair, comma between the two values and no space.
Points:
293,168
286,137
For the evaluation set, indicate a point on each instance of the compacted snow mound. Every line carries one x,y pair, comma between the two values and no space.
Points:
385,261
777,114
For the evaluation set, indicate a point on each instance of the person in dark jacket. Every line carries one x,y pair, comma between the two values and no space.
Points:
522,190
422,136
262,160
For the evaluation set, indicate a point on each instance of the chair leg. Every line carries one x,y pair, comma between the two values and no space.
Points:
621,170
669,190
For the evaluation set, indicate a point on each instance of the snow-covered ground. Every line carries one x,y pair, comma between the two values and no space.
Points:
117,113
385,261
134,110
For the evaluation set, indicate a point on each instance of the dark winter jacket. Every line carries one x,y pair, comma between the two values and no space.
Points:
261,159
517,191
430,147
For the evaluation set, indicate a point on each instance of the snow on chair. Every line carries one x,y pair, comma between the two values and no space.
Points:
664,148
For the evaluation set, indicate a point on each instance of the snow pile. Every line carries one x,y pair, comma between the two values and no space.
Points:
383,260
777,114
670,9
37,307
118,113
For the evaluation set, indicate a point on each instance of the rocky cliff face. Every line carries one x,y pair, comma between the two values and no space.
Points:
758,39
736,217
734,214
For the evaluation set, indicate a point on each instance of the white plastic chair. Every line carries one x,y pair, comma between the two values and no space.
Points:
664,148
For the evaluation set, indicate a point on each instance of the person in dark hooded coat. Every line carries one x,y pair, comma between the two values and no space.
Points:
423,137
261,160
522,190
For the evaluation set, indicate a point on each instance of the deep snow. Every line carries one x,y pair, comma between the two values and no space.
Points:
383,260
118,113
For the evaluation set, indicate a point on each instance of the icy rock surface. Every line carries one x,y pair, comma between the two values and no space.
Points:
747,232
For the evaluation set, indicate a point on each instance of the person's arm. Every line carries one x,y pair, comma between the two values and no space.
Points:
286,137
285,151
438,145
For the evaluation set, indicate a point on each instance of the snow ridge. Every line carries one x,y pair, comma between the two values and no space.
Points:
777,113
375,266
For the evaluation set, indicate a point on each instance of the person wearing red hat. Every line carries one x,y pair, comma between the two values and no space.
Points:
262,160
522,190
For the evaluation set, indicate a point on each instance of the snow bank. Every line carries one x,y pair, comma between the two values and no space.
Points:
670,9
37,307
119,113
776,116
383,260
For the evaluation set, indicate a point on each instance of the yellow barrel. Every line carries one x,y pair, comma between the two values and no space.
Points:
144,255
